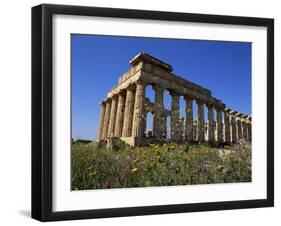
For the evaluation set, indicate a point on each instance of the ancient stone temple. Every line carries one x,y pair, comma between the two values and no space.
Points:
123,112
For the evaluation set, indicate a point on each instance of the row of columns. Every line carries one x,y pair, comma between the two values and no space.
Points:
124,115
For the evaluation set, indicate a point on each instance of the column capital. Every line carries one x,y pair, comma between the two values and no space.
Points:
227,110
188,98
108,100
121,92
199,102
226,113
209,105
114,97
141,82
131,87
157,87
102,103
218,108
174,93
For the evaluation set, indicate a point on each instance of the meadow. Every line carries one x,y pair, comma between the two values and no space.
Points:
95,167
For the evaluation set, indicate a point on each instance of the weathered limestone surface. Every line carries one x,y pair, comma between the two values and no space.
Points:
181,129
139,111
112,116
120,115
175,114
227,127
220,126
106,119
211,129
249,132
201,121
102,112
245,130
159,115
234,129
128,114
123,112
239,129
189,119
195,130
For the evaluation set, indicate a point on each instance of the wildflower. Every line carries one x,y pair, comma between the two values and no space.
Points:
93,173
134,161
134,170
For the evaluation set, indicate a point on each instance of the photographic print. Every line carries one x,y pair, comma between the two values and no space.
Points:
152,112
138,112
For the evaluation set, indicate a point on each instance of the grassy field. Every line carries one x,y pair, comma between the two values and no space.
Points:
95,167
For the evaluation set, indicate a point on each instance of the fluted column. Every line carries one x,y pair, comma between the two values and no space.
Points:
220,126
195,129
165,123
233,129
188,119
139,111
245,131
227,127
106,119
239,129
175,114
128,113
120,115
201,121
211,129
181,129
159,117
249,131
112,117
102,112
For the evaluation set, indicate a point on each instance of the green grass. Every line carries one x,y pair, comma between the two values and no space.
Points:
95,167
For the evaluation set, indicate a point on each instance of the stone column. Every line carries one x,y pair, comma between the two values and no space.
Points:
181,129
195,129
250,131
112,117
128,113
175,114
139,111
159,117
120,115
188,119
234,129
201,121
211,130
220,126
227,127
245,131
102,112
106,119
165,123
239,129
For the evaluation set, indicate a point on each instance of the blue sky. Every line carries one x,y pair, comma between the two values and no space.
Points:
98,62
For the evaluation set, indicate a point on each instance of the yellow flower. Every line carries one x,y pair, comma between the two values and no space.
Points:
134,161
134,170
93,174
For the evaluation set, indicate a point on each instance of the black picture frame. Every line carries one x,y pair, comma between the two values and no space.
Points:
42,111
